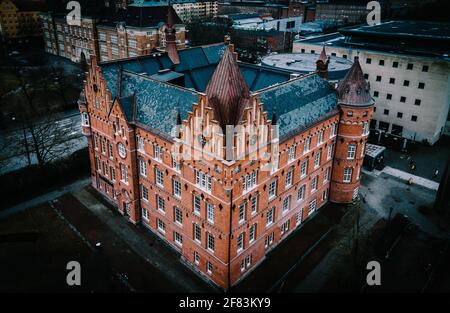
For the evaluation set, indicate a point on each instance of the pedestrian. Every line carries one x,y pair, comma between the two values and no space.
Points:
436,173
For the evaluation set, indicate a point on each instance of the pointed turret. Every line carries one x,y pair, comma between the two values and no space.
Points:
322,64
354,90
171,45
227,91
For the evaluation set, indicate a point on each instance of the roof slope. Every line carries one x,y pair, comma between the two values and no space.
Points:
156,103
354,89
299,103
227,91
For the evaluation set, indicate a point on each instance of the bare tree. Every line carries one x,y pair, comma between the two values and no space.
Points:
47,135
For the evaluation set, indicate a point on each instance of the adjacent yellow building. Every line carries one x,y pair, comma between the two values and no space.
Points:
20,18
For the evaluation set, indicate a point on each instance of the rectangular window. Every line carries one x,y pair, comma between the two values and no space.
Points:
124,173
210,212
176,165
333,130
417,102
329,151
291,154
161,226
144,213
307,145
285,227
320,137
347,175
210,242
368,60
399,114
254,202
161,204
414,118
202,180
298,217
421,85
351,151
178,216
317,158
141,144
273,189
395,64
406,83
144,193
176,188
286,204
268,241
196,258
197,233
381,62
252,233
270,217
242,213
249,181
289,176
113,173
409,66
403,99
197,205
301,193
378,79
304,168
159,177
425,68
84,119
178,238
240,242
391,80
312,207
314,184
209,267
110,150
143,167
326,175
157,153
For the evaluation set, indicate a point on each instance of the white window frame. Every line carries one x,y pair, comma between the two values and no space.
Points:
144,191
273,189
252,233
351,151
161,204
210,214
270,217
347,176
197,208
304,168
242,209
314,182
143,167
289,178
176,187
291,154
317,158
178,216
159,177
240,242
210,242
307,145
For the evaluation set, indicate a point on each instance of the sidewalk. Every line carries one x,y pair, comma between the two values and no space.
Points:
157,264
79,184
405,176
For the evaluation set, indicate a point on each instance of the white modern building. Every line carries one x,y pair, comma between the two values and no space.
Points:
408,67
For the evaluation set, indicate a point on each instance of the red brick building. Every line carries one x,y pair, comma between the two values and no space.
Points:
248,190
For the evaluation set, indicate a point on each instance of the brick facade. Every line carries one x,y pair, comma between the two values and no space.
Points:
222,218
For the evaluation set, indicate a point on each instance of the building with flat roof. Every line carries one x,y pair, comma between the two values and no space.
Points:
304,63
408,67
20,19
